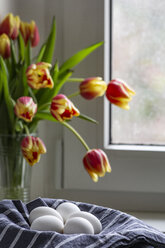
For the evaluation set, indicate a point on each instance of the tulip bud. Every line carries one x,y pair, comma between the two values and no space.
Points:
30,32
119,93
4,46
31,148
25,108
10,26
38,76
96,163
62,108
93,87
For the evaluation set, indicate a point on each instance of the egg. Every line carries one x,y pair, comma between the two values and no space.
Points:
78,225
48,223
65,209
43,210
91,218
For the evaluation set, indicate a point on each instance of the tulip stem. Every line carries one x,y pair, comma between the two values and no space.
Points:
74,94
27,130
77,134
74,80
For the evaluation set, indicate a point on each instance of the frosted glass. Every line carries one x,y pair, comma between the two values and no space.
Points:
138,57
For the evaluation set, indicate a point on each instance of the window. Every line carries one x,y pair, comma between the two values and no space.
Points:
137,56
138,34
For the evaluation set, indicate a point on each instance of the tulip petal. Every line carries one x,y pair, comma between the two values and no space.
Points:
30,32
96,163
119,93
38,76
32,147
93,175
4,46
62,108
25,108
10,26
91,88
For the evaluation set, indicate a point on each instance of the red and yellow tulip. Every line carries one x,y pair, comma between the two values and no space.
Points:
38,76
96,163
10,26
30,32
119,93
25,108
92,87
31,148
62,108
4,46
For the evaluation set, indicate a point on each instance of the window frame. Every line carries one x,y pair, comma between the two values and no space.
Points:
108,8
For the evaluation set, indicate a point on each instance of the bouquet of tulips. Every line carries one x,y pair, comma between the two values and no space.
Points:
30,90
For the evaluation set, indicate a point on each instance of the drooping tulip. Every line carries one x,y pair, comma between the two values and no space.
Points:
25,108
119,93
96,163
32,148
10,26
92,87
62,108
30,32
38,76
4,46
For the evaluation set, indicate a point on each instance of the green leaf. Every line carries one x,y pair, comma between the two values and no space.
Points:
50,44
61,80
45,115
7,97
40,54
54,72
21,48
87,118
1,85
78,57
13,55
11,63
31,93
18,84
28,54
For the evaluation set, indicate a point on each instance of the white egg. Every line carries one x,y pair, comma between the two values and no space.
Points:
48,223
66,209
91,218
78,225
43,210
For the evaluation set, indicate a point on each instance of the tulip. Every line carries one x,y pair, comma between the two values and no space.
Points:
93,87
10,26
4,46
119,93
31,148
96,163
38,76
62,108
30,32
25,108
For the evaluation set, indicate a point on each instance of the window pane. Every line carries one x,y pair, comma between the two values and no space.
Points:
138,57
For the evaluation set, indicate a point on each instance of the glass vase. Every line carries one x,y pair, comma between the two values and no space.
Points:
15,172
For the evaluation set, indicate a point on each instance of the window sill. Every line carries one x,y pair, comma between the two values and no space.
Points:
157,220
150,148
